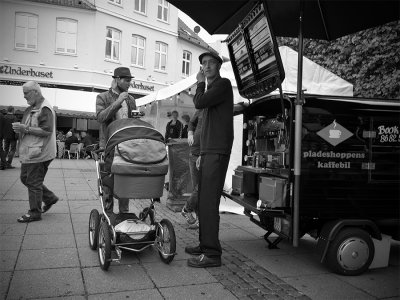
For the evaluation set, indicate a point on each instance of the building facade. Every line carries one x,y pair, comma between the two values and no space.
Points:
72,47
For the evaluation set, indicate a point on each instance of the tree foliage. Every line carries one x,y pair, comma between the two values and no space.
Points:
369,59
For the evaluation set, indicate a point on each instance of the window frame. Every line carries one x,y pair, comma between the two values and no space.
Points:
160,54
65,52
138,47
164,5
113,29
140,7
26,32
114,2
186,64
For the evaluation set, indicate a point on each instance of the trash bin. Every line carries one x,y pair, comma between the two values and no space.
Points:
180,183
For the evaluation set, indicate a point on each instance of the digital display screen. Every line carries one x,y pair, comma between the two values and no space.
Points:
255,56
242,59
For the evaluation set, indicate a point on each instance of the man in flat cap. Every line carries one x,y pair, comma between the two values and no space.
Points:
112,105
215,147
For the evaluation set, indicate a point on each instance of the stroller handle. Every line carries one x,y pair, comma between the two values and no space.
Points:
97,153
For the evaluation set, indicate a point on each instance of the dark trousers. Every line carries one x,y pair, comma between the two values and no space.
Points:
213,169
32,176
192,202
9,149
3,161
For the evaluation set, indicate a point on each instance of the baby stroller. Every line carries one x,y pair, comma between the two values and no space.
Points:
133,164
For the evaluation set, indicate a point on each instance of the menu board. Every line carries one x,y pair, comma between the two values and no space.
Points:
255,56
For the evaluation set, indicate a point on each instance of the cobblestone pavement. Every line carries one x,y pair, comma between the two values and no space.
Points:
51,259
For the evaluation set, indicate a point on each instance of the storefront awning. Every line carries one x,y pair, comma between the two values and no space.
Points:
19,110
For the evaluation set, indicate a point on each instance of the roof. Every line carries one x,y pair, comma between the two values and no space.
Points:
19,110
187,34
81,4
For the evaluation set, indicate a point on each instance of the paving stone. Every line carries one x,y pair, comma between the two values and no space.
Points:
194,292
152,294
10,242
12,228
47,259
177,273
46,283
8,260
5,278
46,227
48,241
116,279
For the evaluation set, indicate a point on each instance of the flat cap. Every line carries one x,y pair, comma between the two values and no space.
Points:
212,54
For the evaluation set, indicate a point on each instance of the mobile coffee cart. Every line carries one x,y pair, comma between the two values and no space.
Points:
346,190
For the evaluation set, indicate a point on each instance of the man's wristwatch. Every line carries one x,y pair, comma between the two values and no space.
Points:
27,130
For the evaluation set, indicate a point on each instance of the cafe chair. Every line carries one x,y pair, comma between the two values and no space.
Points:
73,151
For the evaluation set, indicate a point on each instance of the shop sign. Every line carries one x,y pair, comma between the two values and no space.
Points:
334,133
20,71
141,86
332,159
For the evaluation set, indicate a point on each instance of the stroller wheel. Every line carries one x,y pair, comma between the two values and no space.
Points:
94,222
166,241
104,246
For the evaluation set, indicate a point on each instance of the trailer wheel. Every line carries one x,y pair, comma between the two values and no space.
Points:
94,224
351,252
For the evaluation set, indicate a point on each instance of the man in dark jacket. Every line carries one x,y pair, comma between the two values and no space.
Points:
9,137
215,147
114,104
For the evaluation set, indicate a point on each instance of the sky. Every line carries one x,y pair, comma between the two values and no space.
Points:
203,33
209,39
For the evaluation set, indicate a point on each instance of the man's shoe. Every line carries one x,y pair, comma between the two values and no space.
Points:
203,261
188,216
10,166
48,206
2,168
196,250
28,218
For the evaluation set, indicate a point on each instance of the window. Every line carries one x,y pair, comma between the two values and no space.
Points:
26,31
138,50
163,9
66,36
113,41
186,63
140,6
118,2
160,62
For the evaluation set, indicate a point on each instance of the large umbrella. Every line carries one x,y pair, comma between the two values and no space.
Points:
318,19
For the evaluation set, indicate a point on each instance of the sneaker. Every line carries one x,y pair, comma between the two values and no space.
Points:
195,225
188,216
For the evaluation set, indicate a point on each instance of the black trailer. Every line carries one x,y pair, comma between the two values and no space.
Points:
350,166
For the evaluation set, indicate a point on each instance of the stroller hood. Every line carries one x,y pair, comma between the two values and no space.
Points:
129,129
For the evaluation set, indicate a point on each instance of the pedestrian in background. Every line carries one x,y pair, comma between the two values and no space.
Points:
71,138
9,137
185,119
174,127
37,148
3,161
194,132
114,104
215,148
